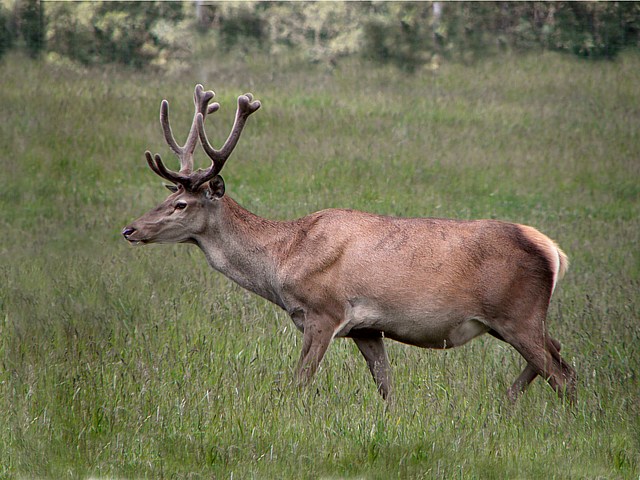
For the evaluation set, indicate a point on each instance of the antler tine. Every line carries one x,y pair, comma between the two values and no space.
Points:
151,163
159,169
201,101
246,106
166,128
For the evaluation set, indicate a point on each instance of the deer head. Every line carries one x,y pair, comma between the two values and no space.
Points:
181,215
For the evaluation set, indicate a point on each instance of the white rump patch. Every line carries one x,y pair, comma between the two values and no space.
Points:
555,256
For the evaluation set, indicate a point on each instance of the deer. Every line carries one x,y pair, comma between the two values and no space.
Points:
338,273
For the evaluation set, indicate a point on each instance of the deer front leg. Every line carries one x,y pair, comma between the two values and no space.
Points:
372,349
318,333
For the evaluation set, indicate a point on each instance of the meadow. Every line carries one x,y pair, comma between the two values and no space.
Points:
121,362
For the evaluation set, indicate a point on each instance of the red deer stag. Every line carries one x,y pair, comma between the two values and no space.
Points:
429,282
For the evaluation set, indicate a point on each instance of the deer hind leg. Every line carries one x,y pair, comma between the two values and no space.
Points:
529,373
542,354
527,376
567,371
373,351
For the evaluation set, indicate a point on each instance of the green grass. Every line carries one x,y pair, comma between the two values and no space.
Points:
144,363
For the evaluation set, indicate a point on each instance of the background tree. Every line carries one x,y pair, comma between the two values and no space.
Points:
31,26
407,34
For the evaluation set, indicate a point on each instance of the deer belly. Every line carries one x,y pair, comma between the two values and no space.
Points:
427,328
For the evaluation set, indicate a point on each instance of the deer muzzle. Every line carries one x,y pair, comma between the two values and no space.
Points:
129,234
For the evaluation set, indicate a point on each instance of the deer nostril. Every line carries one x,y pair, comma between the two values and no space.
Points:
128,231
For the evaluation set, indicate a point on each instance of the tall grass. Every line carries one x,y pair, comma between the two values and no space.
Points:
143,362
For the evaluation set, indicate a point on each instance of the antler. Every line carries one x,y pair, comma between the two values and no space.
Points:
246,106
186,176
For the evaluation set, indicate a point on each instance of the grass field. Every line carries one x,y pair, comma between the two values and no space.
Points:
127,362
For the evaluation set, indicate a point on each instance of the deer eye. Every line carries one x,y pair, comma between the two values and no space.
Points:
181,205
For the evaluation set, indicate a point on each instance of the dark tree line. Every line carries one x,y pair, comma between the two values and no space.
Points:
408,34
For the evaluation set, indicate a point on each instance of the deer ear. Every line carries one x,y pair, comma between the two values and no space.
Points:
173,188
215,187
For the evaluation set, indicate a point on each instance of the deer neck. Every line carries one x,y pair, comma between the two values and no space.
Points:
245,248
